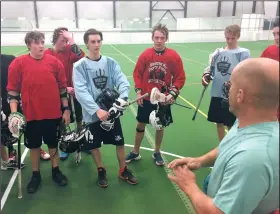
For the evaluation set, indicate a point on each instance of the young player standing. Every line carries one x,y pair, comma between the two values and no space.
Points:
68,52
8,160
95,78
159,67
222,61
272,51
38,79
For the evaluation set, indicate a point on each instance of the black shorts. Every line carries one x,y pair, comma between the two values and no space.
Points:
46,130
97,135
78,111
144,112
217,114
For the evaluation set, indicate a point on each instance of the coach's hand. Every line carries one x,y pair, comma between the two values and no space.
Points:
66,117
191,163
102,115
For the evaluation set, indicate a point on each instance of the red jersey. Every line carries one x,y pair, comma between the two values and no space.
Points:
158,70
68,58
39,83
271,52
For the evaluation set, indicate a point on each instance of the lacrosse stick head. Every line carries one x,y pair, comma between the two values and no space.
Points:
156,96
17,124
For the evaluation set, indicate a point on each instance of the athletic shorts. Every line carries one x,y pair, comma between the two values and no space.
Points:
46,130
144,112
97,135
217,114
78,111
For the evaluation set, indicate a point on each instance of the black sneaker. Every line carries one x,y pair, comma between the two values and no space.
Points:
58,177
128,176
34,183
102,179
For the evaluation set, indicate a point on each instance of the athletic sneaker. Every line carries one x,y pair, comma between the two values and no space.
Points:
157,157
63,156
132,156
45,155
102,178
34,182
58,177
128,176
10,164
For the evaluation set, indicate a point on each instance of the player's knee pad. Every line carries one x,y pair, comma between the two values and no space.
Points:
140,130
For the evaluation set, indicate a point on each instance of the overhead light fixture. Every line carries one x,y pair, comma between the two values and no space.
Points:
21,18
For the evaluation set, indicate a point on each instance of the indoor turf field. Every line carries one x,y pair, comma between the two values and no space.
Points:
155,193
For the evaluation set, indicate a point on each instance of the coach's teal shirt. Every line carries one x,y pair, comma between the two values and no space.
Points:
224,63
245,177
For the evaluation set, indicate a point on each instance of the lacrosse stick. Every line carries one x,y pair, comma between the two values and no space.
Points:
78,153
16,126
157,97
19,165
139,98
182,105
199,102
209,78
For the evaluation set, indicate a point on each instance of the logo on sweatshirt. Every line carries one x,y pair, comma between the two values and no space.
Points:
100,80
223,66
157,72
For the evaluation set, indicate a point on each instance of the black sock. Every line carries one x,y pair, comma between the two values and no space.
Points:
36,173
55,169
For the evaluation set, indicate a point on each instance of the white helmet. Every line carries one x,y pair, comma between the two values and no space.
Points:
155,121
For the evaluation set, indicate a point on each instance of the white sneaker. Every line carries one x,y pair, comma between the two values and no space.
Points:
10,164
45,155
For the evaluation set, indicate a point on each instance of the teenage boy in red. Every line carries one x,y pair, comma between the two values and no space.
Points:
159,67
272,51
68,52
38,80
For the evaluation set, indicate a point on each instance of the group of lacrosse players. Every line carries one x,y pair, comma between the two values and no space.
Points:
46,91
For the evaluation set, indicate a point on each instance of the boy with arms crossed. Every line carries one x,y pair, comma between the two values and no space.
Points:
94,79
38,79
159,67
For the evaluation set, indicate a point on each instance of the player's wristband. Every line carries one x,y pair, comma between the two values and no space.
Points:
64,108
76,50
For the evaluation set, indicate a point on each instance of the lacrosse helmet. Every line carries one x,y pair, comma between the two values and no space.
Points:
155,120
71,141
106,99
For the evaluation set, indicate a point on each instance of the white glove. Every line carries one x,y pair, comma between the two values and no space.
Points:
3,116
120,104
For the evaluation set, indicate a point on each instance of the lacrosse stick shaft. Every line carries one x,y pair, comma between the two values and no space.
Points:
198,105
78,154
139,98
182,105
73,110
19,169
